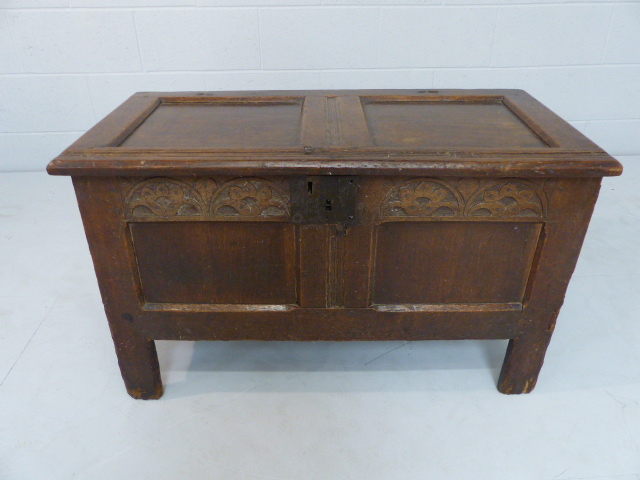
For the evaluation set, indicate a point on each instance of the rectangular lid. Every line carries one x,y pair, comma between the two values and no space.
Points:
381,132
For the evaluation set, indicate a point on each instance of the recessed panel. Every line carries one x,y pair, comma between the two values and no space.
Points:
219,125
216,262
436,124
453,262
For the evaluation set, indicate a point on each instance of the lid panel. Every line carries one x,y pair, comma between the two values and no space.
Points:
479,133
219,125
448,125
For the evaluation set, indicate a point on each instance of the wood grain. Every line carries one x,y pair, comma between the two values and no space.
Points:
447,133
216,262
470,211
453,262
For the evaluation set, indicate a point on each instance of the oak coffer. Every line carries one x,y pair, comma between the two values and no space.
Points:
334,215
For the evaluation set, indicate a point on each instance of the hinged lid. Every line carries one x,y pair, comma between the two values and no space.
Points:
350,132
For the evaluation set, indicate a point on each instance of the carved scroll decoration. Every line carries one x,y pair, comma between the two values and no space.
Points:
252,197
202,198
212,198
164,197
423,198
513,199
466,197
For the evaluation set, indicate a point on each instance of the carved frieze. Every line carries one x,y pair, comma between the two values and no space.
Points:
203,198
251,197
422,198
164,197
466,197
185,198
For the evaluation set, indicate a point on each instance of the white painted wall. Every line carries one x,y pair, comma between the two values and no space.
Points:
64,64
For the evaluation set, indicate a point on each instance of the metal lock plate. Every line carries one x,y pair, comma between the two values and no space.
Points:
324,199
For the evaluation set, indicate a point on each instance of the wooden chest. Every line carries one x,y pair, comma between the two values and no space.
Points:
334,215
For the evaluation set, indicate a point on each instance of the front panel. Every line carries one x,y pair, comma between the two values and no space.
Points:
453,262
412,244
216,262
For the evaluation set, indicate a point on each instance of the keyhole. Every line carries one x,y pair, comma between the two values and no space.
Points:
310,188
327,205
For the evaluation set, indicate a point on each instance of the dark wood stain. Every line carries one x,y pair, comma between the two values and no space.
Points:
453,262
471,209
215,262
448,124
176,125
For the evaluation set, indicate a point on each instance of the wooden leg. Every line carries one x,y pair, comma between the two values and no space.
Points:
558,249
522,363
138,361
101,208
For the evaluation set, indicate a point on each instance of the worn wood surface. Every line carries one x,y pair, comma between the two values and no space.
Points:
471,208
216,262
453,262
367,132
556,257
112,252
